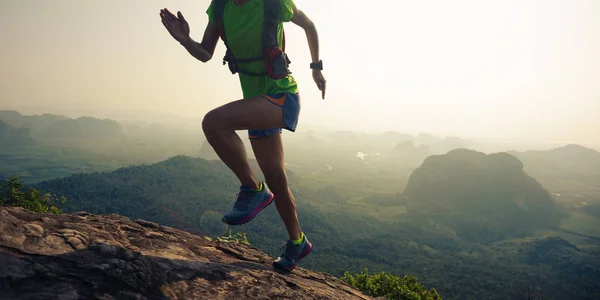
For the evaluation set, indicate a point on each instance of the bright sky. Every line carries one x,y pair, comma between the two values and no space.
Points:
507,69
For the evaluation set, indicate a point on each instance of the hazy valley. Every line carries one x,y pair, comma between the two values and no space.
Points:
472,219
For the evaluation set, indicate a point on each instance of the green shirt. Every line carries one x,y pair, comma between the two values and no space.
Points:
243,28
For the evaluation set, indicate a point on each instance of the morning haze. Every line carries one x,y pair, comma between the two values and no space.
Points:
515,70
457,150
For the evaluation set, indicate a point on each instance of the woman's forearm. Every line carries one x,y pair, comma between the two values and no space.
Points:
196,50
313,42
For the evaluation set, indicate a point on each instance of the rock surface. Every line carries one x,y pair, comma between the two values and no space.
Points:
85,256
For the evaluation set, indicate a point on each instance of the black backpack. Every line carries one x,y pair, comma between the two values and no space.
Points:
275,60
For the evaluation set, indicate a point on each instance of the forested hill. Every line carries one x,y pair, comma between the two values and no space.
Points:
476,193
174,192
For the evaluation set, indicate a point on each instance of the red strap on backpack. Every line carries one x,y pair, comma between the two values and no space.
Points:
275,60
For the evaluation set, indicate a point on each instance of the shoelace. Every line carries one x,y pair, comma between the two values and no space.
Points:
290,251
242,200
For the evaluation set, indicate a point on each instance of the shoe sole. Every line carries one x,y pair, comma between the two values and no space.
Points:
291,268
252,215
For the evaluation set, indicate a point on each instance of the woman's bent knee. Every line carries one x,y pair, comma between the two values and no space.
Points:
212,123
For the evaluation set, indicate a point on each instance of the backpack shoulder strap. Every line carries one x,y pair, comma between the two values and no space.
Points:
276,61
218,10
269,36
271,11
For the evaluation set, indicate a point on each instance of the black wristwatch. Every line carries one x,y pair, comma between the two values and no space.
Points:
317,65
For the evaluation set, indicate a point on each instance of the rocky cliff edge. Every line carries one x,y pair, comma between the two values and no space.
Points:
86,256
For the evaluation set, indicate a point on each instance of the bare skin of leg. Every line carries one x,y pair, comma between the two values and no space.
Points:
269,154
219,126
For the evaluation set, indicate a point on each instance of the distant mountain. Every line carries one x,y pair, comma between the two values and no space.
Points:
408,149
483,197
426,139
11,136
569,156
58,126
12,117
84,127
568,169
32,122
